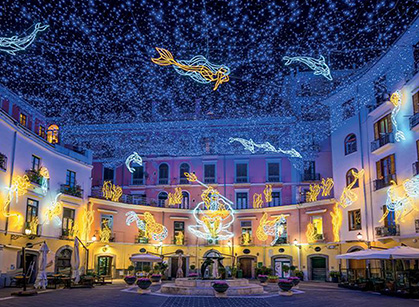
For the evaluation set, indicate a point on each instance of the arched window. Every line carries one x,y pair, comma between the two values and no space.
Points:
350,144
184,168
52,134
350,177
162,199
164,173
63,261
185,200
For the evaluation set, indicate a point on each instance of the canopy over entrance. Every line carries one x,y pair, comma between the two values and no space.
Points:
145,258
398,252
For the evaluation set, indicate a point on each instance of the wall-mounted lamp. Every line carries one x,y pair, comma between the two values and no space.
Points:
359,236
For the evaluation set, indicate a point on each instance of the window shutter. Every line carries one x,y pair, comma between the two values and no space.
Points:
379,172
390,125
392,165
416,103
376,133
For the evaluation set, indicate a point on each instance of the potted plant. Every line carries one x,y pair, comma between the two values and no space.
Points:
193,275
295,280
220,286
262,278
147,269
273,279
335,276
155,278
285,268
299,274
143,283
285,285
130,279
222,272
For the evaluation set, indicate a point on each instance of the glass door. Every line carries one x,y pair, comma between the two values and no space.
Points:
104,265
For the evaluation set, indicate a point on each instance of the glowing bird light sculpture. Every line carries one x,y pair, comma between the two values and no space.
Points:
250,146
396,100
348,197
151,228
319,66
11,45
54,211
198,68
274,227
214,215
19,187
133,158
44,180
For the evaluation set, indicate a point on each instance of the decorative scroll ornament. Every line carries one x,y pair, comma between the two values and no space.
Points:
214,215
337,218
250,146
274,227
348,197
133,158
175,198
54,211
319,66
111,191
14,44
44,181
19,187
198,68
396,100
149,226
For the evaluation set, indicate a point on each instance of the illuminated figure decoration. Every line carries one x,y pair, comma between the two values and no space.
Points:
87,221
337,218
327,186
318,65
19,187
348,197
54,210
313,192
268,193
396,100
250,146
411,186
214,215
246,239
33,225
44,181
175,198
13,44
133,158
111,191
105,232
179,238
257,201
274,227
198,68
311,233
149,226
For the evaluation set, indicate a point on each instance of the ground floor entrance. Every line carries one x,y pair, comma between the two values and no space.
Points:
318,268
279,265
104,265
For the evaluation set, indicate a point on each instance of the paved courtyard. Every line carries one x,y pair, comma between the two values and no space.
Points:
315,294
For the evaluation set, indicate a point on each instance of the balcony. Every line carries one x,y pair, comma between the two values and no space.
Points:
310,177
243,243
209,180
141,240
183,181
282,240
274,178
242,179
414,121
387,231
382,143
183,241
384,182
76,190
138,181
163,180
34,176
415,167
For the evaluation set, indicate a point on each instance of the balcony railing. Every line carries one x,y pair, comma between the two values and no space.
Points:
381,141
34,176
183,181
387,231
242,179
184,241
141,240
282,240
415,167
209,179
274,178
76,190
384,182
163,180
310,177
243,243
414,120
138,181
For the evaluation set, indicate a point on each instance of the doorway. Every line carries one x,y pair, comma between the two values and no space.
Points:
278,267
174,266
31,262
318,268
246,265
104,265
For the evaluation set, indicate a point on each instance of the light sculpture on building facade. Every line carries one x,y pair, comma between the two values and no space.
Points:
257,201
319,65
314,190
175,198
348,197
337,219
87,220
105,232
148,225
250,146
11,45
268,193
274,227
19,187
311,233
214,215
396,100
198,68
54,211
133,158
111,191
327,186
44,180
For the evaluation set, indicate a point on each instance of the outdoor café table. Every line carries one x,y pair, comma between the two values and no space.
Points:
54,280
67,282
100,280
19,280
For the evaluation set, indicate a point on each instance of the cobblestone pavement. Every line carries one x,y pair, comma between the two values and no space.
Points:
316,295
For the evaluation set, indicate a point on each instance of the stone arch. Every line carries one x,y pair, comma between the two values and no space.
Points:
310,258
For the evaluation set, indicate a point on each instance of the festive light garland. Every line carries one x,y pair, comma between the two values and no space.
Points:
250,146
14,44
198,68
105,232
19,187
44,181
152,229
111,191
318,65
87,220
327,186
396,100
54,210
133,158
313,192
214,215
274,227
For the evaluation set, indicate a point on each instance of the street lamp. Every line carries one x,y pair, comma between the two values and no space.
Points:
28,231
295,242
298,253
359,236
94,238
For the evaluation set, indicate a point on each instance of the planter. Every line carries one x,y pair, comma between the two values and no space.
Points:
130,280
335,279
143,283
273,280
263,279
295,280
285,285
220,287
155,278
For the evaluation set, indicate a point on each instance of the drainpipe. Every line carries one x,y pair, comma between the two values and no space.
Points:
11,178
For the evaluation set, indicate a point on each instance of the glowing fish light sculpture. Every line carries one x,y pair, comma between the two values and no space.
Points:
214,215
319,65
11,45
396,100
274,227
337,218
151,228
198,68
348,197
250,145
133,158
44,181
54,211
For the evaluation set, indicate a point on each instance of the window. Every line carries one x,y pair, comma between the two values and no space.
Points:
41,131
179,233
350,178
106,219
383,127
209,173
310,171
31,212
390,220
415,100
246,232
71,179
108,174
348,109
163,173
354,218
274,172
276,199
241,172
23,119
36,163
283,239
68,221
350,144
3,162
417,226
318,226
386,172
63,261
241,200
185,200
380,90
184,168
52,134
138,175
162,199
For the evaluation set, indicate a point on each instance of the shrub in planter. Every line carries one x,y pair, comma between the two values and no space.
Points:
155,277
193,275
130,279
143,283
335,276
285,284
295,280
263,278
220,286
299,274
273,279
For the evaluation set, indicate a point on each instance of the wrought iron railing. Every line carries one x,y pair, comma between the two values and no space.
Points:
384,182
384,139
387,231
